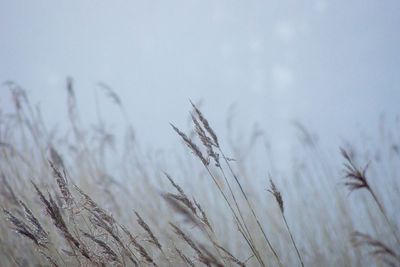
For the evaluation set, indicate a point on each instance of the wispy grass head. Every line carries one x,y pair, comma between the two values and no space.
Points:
377,248
22,228
275,192
153,239
193,147
206,125
355,177
207,142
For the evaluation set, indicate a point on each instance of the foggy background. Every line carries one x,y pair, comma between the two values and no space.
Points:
333,65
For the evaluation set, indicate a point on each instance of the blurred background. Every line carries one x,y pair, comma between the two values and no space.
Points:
332,65
283,83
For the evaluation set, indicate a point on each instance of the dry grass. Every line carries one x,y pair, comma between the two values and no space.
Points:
65,204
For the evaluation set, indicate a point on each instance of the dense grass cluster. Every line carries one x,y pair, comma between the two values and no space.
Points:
80,199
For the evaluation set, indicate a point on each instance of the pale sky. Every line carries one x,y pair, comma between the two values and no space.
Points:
333,65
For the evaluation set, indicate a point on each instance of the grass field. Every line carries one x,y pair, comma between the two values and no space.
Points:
86,198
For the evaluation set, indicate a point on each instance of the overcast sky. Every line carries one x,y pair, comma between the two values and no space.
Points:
334,65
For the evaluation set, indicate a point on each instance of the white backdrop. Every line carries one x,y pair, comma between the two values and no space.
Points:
334,65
